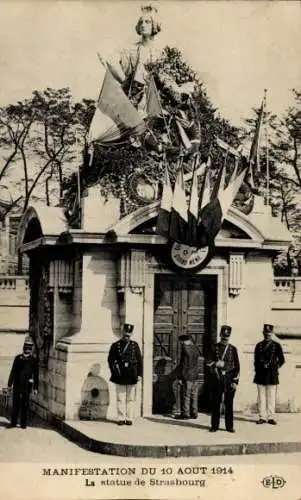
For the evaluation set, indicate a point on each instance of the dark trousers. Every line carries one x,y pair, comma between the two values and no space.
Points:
20,405
217,396
189,397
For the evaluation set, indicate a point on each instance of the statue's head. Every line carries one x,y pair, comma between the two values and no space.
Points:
148,24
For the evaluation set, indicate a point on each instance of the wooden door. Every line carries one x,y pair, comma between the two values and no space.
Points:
182,305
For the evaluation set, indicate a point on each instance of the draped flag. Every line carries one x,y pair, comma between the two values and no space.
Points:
193,210
254,150
213,214
179,216
198,223
219,184
153,104
227,196
183,136
163,220
206,189
115,116
226,147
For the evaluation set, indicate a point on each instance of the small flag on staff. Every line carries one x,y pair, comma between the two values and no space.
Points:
183,137
179,215
219,184
115,116
254,150
213,214
206,188
226,147
193,210
163,219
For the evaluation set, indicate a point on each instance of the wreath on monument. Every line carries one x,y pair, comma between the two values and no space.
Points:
132,172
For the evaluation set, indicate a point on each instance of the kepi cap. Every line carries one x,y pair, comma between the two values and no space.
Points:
28,342
225,331
268,328
128,328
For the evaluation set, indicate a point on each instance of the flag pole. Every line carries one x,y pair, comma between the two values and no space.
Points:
267,159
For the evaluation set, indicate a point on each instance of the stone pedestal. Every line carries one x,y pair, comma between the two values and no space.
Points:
98,214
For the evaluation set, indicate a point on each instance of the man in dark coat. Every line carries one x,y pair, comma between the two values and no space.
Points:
223,363
268,358
187,373
23,378
125,363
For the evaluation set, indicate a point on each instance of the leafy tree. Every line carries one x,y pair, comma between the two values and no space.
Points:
16,121
284,140
41,139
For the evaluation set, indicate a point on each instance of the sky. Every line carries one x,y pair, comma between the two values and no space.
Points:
238,48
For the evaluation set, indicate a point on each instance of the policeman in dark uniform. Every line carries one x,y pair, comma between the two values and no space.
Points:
223,363
23,378
268,358
125,363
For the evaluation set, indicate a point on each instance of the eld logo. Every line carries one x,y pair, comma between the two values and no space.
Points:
273,482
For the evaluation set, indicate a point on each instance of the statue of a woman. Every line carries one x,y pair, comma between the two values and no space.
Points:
132,68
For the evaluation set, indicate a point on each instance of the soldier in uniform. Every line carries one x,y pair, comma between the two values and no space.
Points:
125,363
268,358
223,363
187,373
23,378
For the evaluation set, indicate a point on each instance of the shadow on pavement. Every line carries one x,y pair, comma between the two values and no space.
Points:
182,423
33,421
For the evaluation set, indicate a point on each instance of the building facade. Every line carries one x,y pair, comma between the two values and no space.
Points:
85,283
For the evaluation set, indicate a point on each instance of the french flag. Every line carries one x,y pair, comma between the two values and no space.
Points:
163,219
179,213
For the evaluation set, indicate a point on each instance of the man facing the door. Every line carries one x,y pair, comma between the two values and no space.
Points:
187,373
223,363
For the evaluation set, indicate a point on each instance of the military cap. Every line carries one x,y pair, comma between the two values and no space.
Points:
28,343
184,337
128,328
226,330
268,328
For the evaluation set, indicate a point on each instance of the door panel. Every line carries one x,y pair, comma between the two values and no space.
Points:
183,305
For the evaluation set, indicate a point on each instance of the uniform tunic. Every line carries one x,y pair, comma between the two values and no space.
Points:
125,362
267,359
23,377
230,372
221,382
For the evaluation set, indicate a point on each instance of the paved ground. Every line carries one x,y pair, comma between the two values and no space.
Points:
158,430
41,443
25,454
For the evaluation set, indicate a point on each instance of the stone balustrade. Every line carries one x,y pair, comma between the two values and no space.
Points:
285,284
14,282
286,306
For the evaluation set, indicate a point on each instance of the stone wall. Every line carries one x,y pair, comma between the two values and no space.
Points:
14,307
247,312
14,303
75,382
81,387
